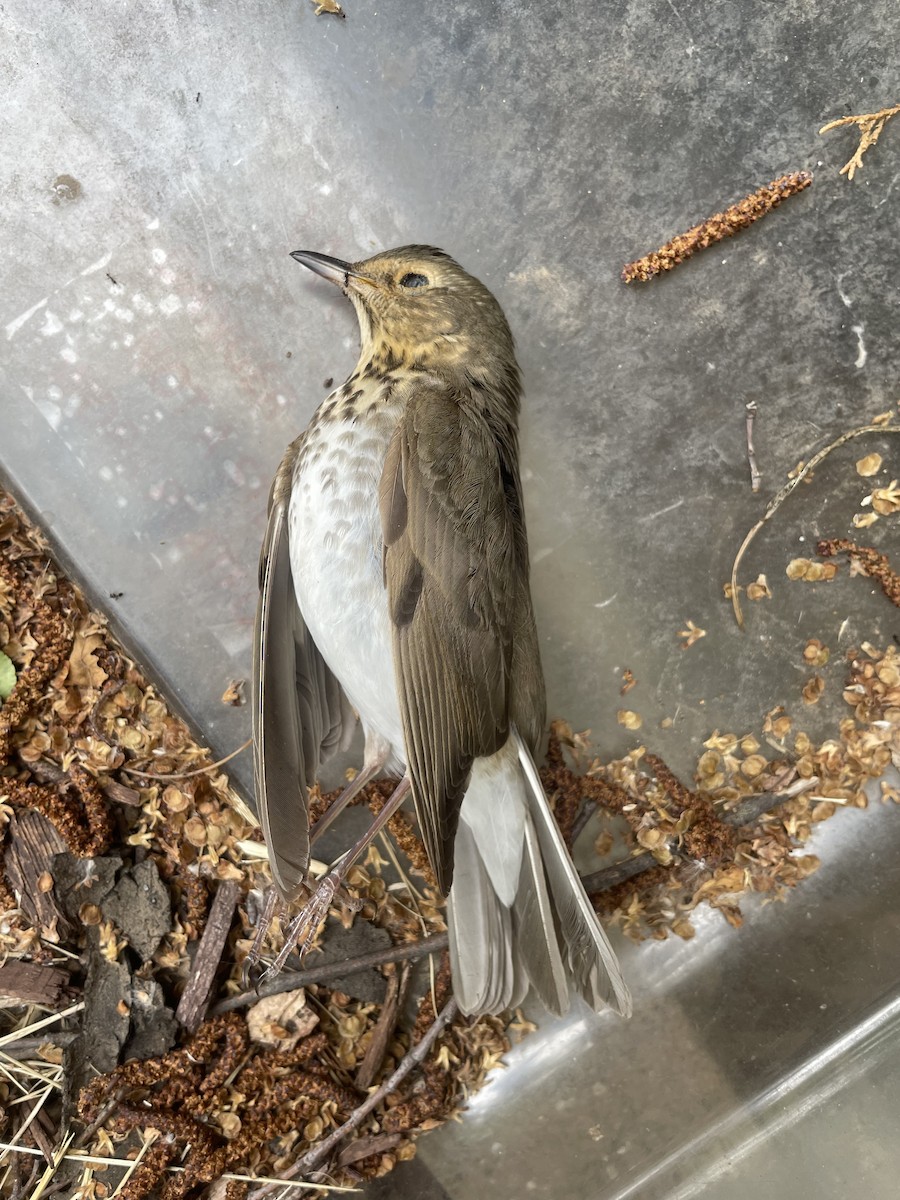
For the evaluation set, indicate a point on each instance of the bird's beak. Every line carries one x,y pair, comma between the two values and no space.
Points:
335,270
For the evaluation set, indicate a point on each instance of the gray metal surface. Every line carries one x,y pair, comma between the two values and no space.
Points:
160,349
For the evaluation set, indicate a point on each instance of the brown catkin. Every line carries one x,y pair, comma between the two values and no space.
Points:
717,227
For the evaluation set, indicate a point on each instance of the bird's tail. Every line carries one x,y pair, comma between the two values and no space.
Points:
517,912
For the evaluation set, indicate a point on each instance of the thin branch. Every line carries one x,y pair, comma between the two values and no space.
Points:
778,500
747,812
384,1028
322,1149
189,774
755,476
870,126
289,981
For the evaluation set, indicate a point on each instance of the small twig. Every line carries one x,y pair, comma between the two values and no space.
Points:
776,502
28,1047
46,771
870,126
195,997
189,774
585,812
716,228
755,476
378,1143
384,1028
289,981
321,1150
747,812
87,1134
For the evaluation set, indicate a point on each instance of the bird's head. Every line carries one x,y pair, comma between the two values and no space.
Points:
418,307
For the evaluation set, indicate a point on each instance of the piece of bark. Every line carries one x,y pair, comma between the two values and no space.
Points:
31,846
33,983
397,984
104,1024
153,1024
140,906
196,996
80,881
378,1143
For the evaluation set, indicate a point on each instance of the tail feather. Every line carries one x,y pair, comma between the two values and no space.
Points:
546,933
591,959
534,938
481,958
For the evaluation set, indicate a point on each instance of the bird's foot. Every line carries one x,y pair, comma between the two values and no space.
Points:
251,973
302,930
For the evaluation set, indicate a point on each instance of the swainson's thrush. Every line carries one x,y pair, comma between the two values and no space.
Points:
394,582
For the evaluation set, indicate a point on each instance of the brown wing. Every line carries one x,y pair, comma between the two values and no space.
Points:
300,714
456,574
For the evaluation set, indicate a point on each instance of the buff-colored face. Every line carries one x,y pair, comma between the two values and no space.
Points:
417,301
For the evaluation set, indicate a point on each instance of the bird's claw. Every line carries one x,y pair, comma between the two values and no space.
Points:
308,919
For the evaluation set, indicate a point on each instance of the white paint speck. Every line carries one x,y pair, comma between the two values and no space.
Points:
106,474
325,189
170,305
68,354
75,316
172,381
862,354
158,255
154,224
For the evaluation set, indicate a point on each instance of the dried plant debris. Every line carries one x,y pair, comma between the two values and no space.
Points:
870,126
323,7
883,500
868,561
120,840
717,227
132,886
699,860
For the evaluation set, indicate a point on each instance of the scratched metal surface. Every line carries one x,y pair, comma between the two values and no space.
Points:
161,349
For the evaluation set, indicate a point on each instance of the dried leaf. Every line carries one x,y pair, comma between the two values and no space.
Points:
84,670
631,720
281,1021
759,590
691,635
813,689
870,465
886,500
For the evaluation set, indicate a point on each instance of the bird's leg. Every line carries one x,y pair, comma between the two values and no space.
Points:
273,902
314,912
370,769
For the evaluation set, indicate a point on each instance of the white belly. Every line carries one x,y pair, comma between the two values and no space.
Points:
336,560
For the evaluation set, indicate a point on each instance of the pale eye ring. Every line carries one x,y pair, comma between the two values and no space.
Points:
413,280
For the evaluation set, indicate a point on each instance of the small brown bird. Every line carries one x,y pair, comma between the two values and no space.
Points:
394,585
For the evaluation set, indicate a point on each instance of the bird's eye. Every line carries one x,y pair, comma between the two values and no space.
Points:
412,280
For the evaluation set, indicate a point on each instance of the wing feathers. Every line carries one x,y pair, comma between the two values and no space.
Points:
300,714
456,572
